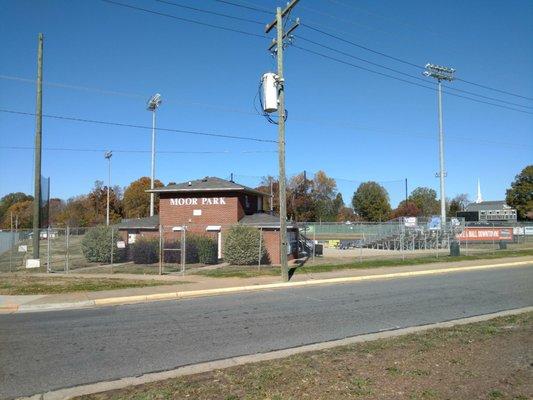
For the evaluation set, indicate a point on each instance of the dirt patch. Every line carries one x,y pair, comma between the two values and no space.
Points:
487,360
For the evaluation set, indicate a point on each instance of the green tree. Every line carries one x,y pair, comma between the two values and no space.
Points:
371,202
425,200
325,197
520,194
136,202
458,203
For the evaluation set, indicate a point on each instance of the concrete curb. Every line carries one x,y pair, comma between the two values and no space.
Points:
69,393
250,288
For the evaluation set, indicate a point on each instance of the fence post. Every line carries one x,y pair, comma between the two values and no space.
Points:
160,249
183,250
112,245
493,244
260,237
48,266
67,255
314,242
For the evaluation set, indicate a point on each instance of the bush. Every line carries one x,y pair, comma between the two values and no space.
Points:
241,245
207,249
199,249
97,243
145,251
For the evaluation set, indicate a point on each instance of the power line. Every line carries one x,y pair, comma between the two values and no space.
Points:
138,151
361,46
92,121
308,120
405,61
403,80
192,21
261,10
403,73
211,12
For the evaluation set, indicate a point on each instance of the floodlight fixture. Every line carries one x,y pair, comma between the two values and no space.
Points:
153,102
439,72
108,154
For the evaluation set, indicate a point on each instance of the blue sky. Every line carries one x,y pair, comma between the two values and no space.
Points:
353,124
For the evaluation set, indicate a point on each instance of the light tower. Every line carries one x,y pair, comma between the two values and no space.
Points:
107,156
441,74
152,106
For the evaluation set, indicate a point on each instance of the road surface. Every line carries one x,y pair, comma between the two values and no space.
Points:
52,350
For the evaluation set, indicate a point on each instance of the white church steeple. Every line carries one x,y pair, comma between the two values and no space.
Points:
479,198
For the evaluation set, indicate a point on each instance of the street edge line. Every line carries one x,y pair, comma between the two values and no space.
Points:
69,393
249,288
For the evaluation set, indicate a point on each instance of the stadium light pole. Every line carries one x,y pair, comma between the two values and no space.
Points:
441,74
152,106
108,155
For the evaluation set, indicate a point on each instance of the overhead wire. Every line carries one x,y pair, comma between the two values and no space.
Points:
403,80
75,149
307,120
210,12
403,73
224,28
121,124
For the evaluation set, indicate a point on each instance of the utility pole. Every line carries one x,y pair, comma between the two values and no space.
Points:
278,43
441,74
38,141
406,195
108,155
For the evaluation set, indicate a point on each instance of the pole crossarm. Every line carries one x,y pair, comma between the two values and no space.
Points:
284,12
286,35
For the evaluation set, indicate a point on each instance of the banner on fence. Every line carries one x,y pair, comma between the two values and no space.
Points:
480,234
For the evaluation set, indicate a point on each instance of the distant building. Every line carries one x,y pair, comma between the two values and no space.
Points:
488,211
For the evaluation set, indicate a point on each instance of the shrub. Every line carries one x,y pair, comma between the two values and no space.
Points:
97,243
145,251
207,249
199,249
241,245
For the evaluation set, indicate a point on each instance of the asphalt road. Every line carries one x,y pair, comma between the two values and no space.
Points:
52,350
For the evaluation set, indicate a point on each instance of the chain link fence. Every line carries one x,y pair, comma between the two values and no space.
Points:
192,248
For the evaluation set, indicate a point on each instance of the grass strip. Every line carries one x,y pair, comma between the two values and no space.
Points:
18,284
485,360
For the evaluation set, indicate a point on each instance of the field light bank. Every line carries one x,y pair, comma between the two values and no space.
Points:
154,102
439,72
269,84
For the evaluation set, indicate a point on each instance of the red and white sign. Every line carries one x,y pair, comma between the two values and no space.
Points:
480,234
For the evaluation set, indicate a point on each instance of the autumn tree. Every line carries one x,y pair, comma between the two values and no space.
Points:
9,199
300,202
371,202
326,198
520,194
22,212
406,209
136,202
347,214
425,200
97,204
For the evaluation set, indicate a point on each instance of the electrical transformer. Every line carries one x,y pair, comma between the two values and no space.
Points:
270,92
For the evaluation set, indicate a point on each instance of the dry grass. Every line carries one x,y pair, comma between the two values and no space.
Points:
487,360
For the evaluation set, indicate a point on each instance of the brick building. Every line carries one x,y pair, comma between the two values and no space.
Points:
210,206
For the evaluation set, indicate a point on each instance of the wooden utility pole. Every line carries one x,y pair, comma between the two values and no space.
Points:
279,44
38,140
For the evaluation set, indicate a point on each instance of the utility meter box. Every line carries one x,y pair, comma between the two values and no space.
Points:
270,92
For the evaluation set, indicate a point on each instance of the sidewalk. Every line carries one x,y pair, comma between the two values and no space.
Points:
195,285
